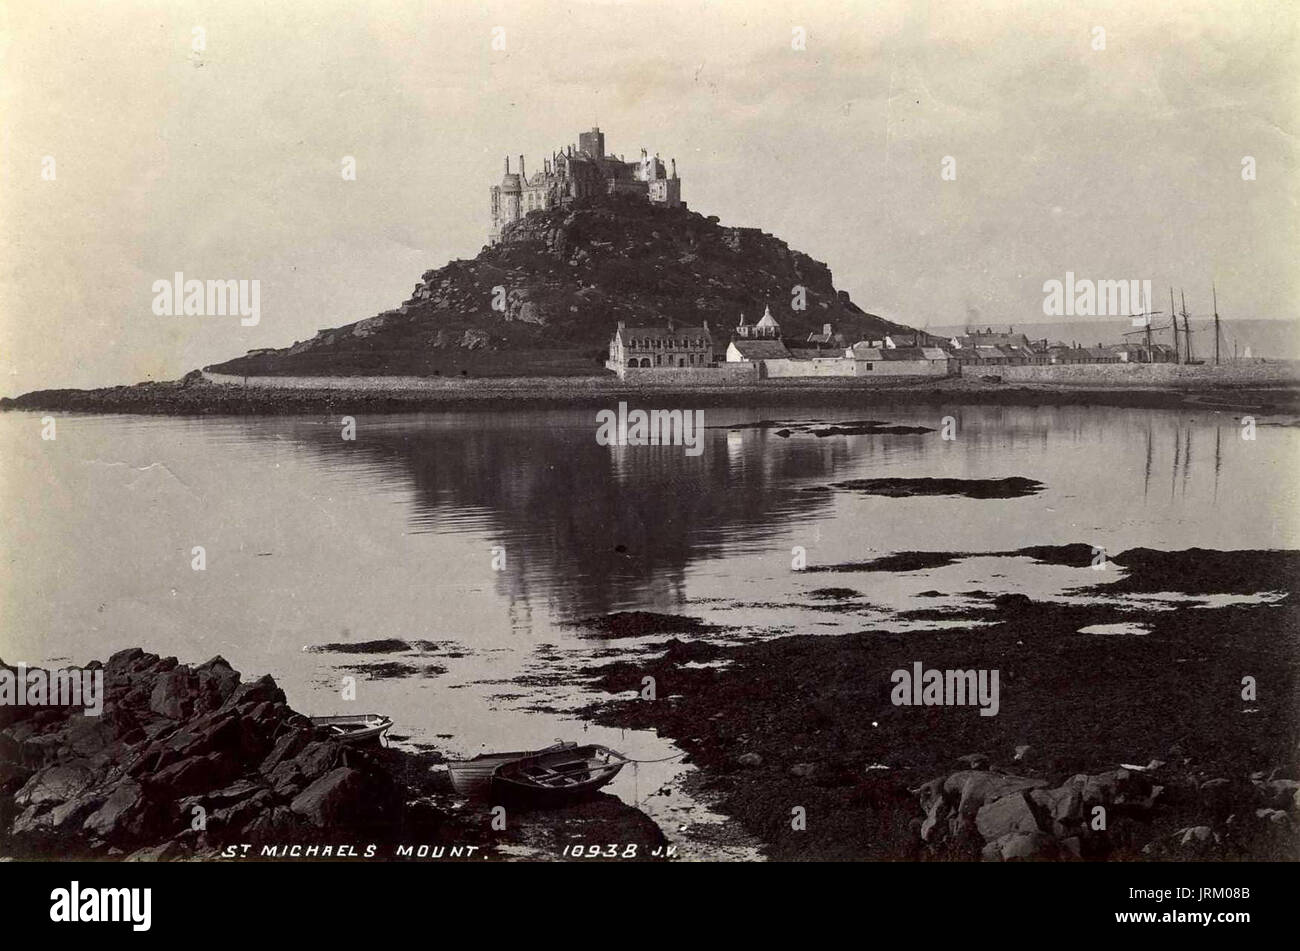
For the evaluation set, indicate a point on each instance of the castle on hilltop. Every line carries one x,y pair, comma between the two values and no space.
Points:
580,173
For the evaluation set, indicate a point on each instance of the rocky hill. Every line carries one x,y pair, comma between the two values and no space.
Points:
547,298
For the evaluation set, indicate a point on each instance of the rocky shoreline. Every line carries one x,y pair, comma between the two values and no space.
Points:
194,763
1151,729
194,397
1126,748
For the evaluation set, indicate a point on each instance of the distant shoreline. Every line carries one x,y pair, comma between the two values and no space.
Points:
1276,389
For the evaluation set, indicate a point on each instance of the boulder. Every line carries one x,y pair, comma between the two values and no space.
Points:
120,813
931,829
289,745
335,796
1062,805
173,693
264,688
217,677
235,817
286,779
1008,814
55,784
317,758
197,773
974,788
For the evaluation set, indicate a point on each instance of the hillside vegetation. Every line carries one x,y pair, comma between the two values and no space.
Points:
546,300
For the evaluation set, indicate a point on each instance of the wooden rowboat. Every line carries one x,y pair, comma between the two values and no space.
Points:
473,777
553,777
355,730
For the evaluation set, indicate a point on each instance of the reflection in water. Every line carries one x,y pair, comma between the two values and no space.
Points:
1218,460
599,527
589,529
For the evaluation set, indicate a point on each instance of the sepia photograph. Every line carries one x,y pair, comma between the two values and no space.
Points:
607,434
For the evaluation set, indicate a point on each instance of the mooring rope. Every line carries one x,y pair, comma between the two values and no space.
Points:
662,759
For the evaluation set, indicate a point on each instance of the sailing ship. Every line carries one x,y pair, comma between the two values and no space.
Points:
1182,354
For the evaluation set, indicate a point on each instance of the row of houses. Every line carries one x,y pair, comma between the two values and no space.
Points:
762,347
991,348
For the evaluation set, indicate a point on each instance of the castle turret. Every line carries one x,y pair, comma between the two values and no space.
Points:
506,202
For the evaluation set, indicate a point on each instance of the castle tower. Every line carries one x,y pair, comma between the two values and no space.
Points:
506,201
593,142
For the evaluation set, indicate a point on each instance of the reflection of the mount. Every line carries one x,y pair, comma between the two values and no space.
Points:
596,528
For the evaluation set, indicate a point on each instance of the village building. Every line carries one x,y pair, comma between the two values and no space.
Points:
667,347
900,361
987,347
1145,353
758,352
753,350
827,338
766,329
896,340
988,337
1062,355
580,173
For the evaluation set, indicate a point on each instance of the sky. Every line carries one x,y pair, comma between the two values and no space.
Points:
129,155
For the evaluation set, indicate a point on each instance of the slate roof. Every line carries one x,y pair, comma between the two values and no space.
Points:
761,349
696,334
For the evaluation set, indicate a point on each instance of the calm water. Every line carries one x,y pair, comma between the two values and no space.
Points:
311,540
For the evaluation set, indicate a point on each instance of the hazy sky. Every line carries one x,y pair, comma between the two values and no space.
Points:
1117,163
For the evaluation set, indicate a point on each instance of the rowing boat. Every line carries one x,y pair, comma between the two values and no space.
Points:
473,777
356,729
553,777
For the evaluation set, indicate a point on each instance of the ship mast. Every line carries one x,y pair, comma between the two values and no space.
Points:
1215,291
1173,323
1187,333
